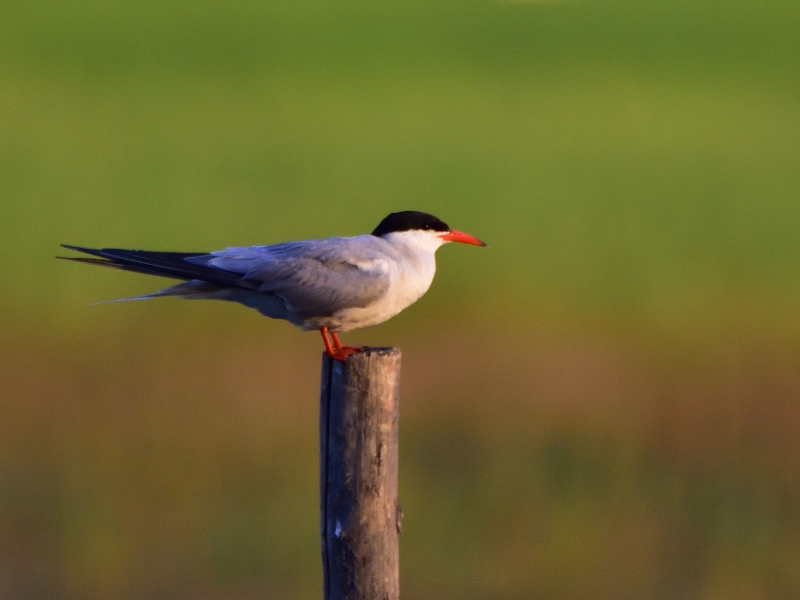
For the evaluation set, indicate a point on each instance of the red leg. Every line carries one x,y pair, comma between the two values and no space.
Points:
339,346
336,343
338,351
328,349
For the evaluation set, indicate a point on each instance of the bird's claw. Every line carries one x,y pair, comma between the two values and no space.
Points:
342,353
337,350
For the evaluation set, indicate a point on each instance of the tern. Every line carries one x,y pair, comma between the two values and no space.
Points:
333,285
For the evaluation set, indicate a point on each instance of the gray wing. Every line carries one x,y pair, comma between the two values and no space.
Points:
314,277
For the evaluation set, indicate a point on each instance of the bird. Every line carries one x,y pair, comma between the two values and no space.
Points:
332,285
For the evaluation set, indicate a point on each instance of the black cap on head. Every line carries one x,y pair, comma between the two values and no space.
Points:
409,220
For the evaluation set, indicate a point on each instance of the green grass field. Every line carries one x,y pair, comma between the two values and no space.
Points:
603,404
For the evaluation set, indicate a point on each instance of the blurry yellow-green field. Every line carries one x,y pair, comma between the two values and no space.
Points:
605,404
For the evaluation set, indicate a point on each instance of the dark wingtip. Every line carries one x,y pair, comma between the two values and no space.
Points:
92,251
69,247
78,248
95,261
84,259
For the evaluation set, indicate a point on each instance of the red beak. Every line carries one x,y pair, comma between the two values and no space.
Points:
460,236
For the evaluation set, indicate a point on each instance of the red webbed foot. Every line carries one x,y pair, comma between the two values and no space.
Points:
343,352
337,350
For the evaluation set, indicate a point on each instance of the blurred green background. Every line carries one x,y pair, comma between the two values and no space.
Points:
605,404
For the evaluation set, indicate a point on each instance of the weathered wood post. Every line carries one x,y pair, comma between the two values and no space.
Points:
360,513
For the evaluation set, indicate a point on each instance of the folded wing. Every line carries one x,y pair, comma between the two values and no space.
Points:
314,278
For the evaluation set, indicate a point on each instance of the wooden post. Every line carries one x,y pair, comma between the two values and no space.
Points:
360,513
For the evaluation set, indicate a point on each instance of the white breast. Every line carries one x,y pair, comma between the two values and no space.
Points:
410,274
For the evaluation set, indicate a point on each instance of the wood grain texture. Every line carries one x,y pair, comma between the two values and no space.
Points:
360,514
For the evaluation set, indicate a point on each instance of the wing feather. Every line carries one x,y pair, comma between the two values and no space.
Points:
173,265
314,278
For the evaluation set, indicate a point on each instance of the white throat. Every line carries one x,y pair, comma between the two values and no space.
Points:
416,240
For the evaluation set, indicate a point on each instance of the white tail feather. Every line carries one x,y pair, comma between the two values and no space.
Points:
187,289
